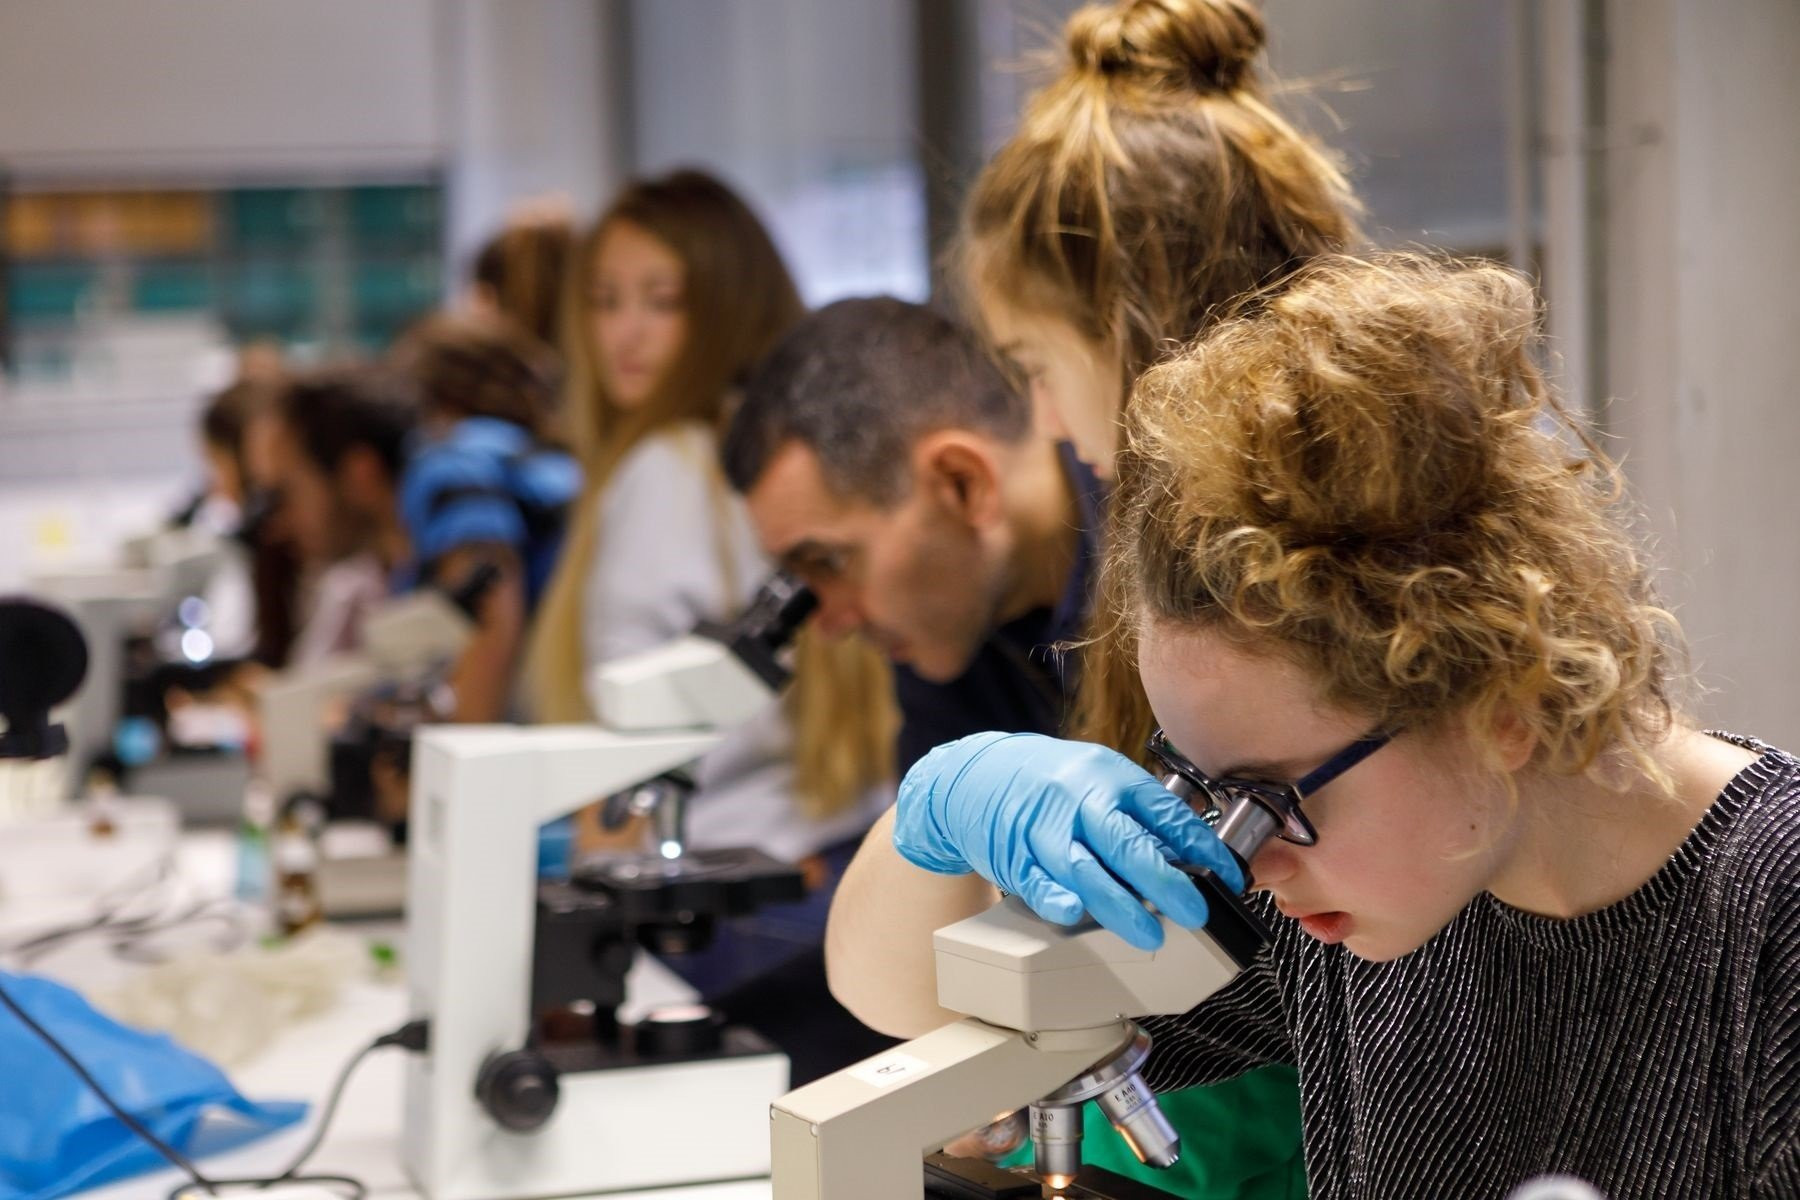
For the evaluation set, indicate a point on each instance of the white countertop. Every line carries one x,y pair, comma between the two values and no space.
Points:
300,1064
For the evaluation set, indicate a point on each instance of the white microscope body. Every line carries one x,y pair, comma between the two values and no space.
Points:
1049,1026
153,574
43,658
479,796
1047,1005
404,637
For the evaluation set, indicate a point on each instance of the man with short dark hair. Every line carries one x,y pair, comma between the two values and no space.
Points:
338,449
386,490
887,462
890,465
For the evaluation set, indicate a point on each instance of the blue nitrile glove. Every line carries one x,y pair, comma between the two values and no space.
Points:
1054,823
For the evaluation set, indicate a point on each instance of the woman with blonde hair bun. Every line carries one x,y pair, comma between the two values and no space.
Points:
672,296
1149,185
1527,918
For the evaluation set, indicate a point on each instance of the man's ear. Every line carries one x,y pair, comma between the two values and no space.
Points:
960,471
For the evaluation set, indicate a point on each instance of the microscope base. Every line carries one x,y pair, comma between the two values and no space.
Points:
614,1130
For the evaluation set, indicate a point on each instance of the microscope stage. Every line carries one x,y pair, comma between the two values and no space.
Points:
722,883
951,1178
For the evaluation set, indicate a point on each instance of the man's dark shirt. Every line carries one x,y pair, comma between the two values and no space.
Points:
1018,681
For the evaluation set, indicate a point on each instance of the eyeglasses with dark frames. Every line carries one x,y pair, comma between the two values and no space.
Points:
1281,801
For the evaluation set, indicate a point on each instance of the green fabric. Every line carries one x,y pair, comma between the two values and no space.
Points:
1240,1140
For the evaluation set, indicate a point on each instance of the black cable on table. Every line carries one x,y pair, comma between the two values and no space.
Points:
411,1036
132,1123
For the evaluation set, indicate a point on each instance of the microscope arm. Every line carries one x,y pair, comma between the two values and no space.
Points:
693,682
1046,1003
1010,968
863,1131
717,677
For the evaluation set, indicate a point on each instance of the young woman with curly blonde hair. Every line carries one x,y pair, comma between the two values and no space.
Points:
1527,917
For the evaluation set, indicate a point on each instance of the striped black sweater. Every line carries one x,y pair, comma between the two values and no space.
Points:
1651,1048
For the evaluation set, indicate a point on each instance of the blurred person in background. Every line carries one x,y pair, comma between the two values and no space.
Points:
677,291
680,292
481,490
336,449
521,272
277,572
236,500
220,502
241,600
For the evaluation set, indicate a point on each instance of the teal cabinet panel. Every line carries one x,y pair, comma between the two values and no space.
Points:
47,291
173,287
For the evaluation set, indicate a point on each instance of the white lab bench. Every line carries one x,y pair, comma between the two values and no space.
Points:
301,1064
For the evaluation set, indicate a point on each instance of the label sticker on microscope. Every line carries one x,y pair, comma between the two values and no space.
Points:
890,1069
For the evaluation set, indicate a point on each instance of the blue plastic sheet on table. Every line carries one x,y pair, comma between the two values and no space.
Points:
56,1137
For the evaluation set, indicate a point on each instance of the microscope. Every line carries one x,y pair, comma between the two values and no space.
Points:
115,606
537,1082
43,660
406,640
1049,1024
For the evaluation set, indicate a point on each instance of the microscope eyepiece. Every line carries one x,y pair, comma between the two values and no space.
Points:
1244,825
766,628
774,615
1242,819
45,658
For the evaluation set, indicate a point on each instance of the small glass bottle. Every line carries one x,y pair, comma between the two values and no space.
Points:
102,804
296,861
253,843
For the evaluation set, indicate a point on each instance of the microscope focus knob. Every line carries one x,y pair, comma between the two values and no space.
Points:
518,1089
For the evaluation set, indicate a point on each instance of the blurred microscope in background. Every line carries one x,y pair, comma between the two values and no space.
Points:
547,1074
136,723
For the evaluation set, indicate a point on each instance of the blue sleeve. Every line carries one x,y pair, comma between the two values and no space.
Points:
451,498
546,479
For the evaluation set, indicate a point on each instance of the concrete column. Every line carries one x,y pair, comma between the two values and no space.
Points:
1702,172
534,98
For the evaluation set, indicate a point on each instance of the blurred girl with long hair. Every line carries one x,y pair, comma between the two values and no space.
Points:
675,293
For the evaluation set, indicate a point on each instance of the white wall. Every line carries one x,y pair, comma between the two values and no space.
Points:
532,108
1413,92
1702,248
808,107
122,87
772,85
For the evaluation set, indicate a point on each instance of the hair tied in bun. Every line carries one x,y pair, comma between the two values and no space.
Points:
1196,45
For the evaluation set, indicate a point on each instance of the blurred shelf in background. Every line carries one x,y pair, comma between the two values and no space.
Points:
320,269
